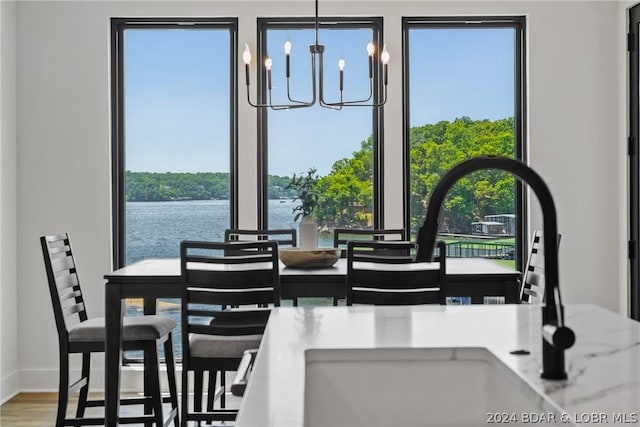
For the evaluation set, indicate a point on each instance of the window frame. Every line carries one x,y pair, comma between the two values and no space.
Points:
118,184
634,162
376,25
518,23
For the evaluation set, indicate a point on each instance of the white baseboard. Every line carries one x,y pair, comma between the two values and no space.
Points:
9,386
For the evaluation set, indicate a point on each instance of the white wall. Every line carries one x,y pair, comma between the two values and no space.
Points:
575,71
9,381
575,145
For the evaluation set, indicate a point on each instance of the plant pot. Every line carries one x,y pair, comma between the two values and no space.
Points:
308,234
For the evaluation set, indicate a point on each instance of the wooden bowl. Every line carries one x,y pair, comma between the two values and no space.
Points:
309,258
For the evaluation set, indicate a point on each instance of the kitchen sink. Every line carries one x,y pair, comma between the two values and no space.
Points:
417,387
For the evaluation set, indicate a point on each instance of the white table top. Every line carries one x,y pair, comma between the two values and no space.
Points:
603,366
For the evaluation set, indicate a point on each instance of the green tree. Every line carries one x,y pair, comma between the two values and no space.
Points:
346,194
435,148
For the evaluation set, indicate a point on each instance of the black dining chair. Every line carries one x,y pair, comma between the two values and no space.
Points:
532,288
385,273
225,308
77,333
342,236
285,237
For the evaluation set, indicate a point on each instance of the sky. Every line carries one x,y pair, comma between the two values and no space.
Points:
177,93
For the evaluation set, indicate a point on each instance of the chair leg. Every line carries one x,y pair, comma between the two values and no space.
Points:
185,392
171,376
154,382
197,390
223,385
63,389
84,391
148,383
211,395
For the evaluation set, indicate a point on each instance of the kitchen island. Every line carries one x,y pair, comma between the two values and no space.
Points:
603,385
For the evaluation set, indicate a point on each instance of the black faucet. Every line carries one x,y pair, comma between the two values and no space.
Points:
555,336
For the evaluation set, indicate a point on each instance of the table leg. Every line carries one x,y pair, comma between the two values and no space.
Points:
113,353
512,292
149,307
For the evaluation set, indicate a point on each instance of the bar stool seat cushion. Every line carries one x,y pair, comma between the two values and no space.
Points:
222,346
134,328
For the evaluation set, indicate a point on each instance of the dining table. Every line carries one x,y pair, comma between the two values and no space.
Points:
475,279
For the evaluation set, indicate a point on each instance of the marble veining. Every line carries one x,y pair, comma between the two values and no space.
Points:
603,366
611,351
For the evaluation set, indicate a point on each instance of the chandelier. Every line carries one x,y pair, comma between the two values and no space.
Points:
316,51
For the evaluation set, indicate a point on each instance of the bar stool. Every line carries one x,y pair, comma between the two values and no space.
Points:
79,334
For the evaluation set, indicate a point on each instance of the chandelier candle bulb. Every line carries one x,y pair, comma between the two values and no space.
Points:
287,53
384,57
246,57
370,51
268,63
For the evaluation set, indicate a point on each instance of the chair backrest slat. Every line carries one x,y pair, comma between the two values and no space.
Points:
64,285
229,330
284,237
230,279
75,308
58,250
536,261
65,281
395,279
64,263
230,322
198,295
377,275
239,256
53,238
67,296
532,288
429,296
342,236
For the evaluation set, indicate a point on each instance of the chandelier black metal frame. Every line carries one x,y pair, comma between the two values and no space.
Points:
316,51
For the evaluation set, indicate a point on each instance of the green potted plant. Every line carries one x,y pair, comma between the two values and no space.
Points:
304,185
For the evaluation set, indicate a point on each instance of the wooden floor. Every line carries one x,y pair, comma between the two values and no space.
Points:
39,410
29,409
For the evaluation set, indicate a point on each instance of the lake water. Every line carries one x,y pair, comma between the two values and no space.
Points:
155,229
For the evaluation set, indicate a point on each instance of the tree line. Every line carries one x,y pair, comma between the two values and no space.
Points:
171,186
346,193
155,187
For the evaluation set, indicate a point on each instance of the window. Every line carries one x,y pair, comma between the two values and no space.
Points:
341,146
464,88
174,133
174,123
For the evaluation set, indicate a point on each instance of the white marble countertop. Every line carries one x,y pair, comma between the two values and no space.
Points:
603,366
